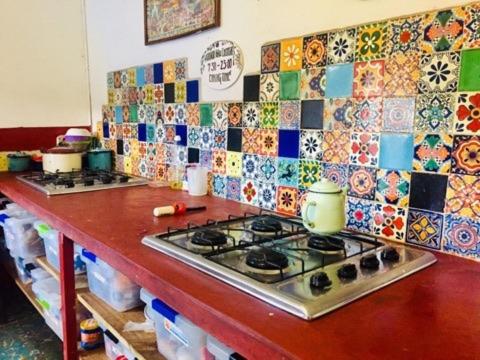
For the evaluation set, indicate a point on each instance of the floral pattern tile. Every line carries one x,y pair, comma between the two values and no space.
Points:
234,164
466,155
472,26
439,72
335,147
235,115
267,169
309,173
359,214
233,187
268,139
393,187
432,153
219,161
362,181
249,192
220,115
398,114
219,185
269,87
270,58
336,173
443,30
206,138
367,114
206,159
287,200
390,222
250,164
371,41
251,140
287,174
462,236
341,46
338,114
290,114
315,50
404,35
267,196
434,113
463,196
364,149
291,54
311,144
467,119
251,114
401,75
425,228
368,78
313,83
269,117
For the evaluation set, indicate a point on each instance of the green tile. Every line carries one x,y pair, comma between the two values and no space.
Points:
290,85
206,114
269,117
133,113
470,70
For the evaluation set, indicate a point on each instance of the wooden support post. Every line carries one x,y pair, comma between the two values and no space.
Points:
67,286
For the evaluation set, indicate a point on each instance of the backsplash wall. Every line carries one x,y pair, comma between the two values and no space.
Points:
389,109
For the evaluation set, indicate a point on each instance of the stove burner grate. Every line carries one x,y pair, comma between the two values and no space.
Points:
207,237
266,259
266,225
326,243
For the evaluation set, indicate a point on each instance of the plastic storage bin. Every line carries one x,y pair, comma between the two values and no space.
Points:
24,268
110,285
114,348
50,239
11,210
21,237
47,292
219,351
177,338
147,298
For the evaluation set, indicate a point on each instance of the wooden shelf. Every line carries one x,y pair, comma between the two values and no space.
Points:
43,262
141,344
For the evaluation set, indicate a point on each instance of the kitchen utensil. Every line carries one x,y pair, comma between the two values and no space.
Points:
18,162
323,211
61,159
78,139
197,180
100,159
177,208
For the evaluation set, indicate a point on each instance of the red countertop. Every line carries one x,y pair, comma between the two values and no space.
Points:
433,314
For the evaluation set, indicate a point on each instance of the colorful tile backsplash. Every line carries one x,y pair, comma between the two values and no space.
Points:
390,110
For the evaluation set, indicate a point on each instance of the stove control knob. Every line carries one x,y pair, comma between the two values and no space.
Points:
320,281
370,262
347,271
390,254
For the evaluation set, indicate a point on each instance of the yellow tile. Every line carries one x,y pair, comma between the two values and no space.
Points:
3,161
291,54
169,71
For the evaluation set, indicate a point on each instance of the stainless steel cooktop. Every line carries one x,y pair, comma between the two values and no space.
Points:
79,181
277,260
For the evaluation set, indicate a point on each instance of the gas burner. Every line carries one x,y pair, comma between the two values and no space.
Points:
326,244
208,237
266,225
265,260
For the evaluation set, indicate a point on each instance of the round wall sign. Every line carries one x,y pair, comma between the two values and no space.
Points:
221,64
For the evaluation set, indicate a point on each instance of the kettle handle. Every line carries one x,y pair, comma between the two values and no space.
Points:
308,221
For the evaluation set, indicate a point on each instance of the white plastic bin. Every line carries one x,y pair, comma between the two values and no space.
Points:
219,351
50,239
177,338
24,267
114,348
110,285
147,298
21,237
47,292
54,323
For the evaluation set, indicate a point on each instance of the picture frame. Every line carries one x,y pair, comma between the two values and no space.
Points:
166,20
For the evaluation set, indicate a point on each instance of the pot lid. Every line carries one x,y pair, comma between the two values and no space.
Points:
325,186
61,150
94,151
19,155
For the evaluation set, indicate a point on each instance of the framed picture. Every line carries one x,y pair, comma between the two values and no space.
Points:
171,19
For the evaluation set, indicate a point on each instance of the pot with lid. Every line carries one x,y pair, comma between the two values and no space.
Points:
61,159
323,211
18,161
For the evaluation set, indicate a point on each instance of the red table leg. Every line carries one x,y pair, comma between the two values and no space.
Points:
67,286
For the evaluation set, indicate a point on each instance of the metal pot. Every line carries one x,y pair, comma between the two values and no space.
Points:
60,159
18,162
100,159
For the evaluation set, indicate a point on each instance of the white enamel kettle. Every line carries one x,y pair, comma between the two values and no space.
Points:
323,211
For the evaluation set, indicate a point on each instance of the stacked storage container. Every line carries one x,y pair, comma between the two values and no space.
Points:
114,348
110,285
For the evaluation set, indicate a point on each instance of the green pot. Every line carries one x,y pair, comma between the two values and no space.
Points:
18,162
100,159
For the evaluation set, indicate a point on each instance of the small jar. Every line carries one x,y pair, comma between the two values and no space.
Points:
91,335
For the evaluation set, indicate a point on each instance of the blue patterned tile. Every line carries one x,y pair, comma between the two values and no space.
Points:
219,186
396,151
359,214
462,236
339,81
206,159
206,137
194,136
267,196
152,133
336,173
424,228
287,174
233,188
267,169
250,166
219,139
288,143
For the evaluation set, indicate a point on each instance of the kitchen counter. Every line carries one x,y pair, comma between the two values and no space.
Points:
432,314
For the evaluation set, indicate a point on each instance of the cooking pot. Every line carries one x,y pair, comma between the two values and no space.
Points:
18,162
323,211
100,159
62,159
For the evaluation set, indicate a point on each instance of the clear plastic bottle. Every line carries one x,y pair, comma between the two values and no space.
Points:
177,169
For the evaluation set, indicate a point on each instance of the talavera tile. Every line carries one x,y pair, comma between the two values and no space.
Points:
339,81
291,54
432,153
466,155
270,58
467,119
434,113
341,46
470,71
287,200
371,41
462,236
463,196
404,35
396,151
425,228
315,50
390,222
443,30
427,191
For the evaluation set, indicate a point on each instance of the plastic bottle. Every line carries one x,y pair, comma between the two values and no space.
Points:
177,169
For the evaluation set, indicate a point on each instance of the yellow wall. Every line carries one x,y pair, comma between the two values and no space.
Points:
43,67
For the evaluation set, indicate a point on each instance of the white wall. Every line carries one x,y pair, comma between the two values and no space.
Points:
115,33
43,65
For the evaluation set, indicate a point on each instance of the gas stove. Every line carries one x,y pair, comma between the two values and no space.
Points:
277,260
79,181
